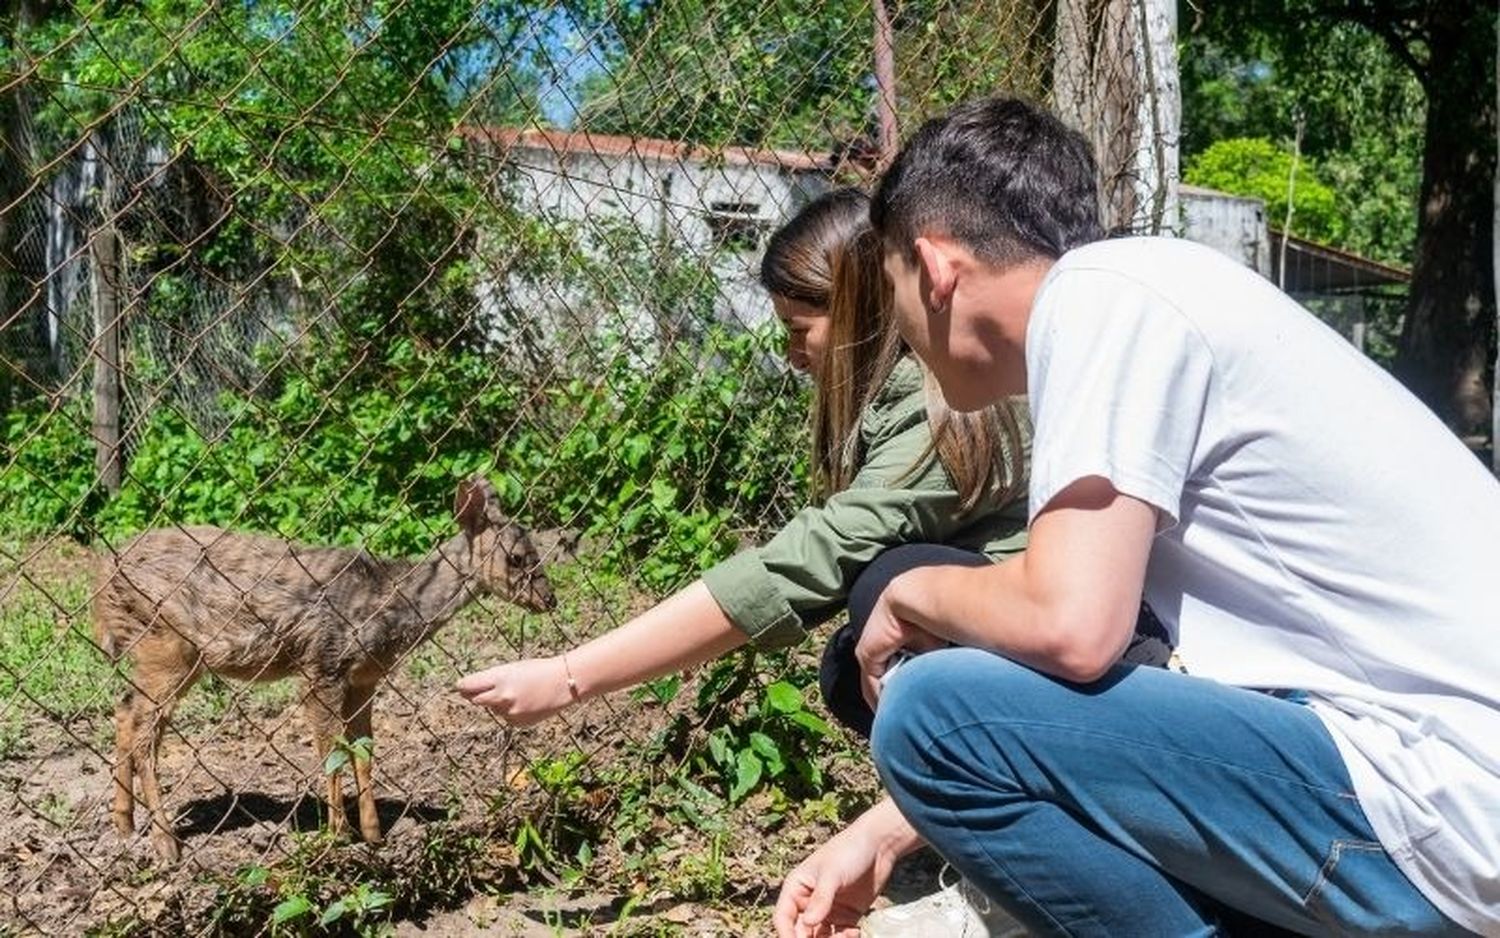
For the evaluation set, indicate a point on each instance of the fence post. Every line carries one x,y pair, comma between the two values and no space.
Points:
885,85
104,257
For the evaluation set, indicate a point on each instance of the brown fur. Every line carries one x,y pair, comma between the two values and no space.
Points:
182,601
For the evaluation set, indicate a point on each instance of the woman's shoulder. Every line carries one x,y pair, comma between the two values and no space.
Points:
906,378
900,403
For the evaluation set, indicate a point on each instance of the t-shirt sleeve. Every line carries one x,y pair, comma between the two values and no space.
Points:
1119,382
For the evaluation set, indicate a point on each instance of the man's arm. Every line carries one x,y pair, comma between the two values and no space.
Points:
1067,606
828,893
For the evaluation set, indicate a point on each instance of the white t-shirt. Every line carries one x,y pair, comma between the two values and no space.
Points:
1320,529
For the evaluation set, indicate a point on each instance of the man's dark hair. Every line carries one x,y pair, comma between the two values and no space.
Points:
1000,175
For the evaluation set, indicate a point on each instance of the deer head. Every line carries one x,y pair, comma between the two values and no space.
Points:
502,558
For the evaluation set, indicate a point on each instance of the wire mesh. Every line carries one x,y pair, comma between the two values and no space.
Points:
298,268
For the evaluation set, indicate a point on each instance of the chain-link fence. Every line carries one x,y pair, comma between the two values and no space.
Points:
299,268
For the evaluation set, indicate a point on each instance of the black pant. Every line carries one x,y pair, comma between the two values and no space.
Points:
838,674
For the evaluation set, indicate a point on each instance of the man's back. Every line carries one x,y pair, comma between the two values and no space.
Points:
1331,535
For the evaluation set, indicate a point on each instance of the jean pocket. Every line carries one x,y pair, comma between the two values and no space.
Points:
1359,890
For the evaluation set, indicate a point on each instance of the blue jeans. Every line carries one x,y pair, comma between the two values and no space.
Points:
1149,803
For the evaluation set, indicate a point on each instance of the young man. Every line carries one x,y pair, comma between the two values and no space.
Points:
1323,549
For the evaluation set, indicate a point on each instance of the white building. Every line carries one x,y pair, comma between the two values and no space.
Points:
706,210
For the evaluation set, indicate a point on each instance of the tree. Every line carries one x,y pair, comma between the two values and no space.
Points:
1115,79
1259,168
1448,48
718,72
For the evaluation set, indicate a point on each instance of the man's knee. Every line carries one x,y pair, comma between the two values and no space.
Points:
935,693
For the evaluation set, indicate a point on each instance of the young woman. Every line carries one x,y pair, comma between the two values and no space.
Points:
892,466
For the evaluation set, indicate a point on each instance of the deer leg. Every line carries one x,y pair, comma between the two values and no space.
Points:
159,687
123,808
324,706
359,704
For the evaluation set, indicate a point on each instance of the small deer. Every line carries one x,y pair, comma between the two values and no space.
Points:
182,601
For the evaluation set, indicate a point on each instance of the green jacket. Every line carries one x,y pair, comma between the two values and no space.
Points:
802,576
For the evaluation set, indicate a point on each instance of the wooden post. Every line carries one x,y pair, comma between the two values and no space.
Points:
885,85
104,255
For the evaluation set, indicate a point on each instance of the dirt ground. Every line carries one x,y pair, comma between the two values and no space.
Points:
454,786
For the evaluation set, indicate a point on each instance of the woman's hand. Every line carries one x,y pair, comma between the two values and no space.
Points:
521,692
828,893
886,632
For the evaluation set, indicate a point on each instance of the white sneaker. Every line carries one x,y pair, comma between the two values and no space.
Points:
957,909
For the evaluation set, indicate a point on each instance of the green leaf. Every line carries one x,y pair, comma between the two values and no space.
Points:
812,722
292,908
784,698
333,913
748,772
336,761
766,748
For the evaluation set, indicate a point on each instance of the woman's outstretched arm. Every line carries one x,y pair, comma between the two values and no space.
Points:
686,629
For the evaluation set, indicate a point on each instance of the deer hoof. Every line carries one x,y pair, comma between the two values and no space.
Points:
167,846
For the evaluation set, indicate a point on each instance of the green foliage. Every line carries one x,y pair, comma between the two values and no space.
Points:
780,73
47,481
762,736
1248,72
347,752
307,895
669,465
561,836
1257,167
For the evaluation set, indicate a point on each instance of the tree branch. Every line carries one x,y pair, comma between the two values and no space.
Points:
1386,25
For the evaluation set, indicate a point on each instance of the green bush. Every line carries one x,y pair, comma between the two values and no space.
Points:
1254,166
668,465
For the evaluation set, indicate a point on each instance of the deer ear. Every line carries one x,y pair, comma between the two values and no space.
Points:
470,502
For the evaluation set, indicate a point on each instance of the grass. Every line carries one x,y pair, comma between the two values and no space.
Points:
50,669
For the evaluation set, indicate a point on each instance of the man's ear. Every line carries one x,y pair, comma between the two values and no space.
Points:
939,274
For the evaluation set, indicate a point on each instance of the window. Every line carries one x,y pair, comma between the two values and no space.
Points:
736,225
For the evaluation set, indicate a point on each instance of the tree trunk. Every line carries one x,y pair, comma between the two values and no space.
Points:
1115,80
1449,332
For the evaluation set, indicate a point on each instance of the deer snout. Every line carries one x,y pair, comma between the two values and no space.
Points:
540,598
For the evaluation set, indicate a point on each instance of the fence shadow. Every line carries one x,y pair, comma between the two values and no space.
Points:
232,811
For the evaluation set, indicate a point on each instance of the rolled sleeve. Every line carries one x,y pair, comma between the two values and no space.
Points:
753,601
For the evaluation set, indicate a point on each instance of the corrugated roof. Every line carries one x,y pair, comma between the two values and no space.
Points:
568,141
1317,268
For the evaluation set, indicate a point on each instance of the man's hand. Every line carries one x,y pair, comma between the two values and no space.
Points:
886,633
828,893
522,692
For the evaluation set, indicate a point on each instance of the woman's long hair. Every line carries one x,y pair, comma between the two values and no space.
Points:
828,256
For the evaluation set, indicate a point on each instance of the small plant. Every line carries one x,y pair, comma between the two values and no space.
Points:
559,838
345,753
